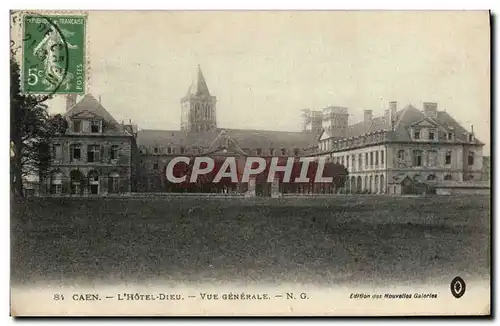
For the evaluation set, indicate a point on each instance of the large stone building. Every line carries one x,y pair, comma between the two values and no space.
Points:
199,134
93,156
403,150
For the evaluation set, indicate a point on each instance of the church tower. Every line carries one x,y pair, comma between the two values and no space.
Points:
198,107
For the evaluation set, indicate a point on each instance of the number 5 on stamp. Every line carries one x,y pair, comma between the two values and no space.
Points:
54,58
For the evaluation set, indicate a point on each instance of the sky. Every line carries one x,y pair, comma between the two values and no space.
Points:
264,67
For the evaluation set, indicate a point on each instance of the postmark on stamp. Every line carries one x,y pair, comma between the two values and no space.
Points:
53,54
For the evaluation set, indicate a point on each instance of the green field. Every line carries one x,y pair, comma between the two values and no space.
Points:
375,239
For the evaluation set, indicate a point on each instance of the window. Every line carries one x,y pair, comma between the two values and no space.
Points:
295,151
448,177
93,153
366,160
447,158
114,183
56,183
431,177
347,161
431,134
470,158
155,150
471,138
56,152
360,159
353,161
259,151
342,160
401,155
376,158
382,157
95,126
416,134
283,151
431,158
417,158
169,150
183,150
450,136
371,158
114,152
77,125
271,151
155,166
76,152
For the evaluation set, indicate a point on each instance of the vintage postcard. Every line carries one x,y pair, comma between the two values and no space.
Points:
250,163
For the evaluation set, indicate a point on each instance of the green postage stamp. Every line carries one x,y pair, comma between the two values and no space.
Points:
54,54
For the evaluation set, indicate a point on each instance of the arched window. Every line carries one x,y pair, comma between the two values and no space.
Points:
448,177
56,183
431,177
114,183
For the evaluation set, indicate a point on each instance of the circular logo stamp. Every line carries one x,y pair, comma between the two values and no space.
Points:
457,287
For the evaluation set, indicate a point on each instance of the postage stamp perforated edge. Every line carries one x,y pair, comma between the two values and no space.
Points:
19,36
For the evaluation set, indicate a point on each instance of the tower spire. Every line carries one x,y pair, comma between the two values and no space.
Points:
199,86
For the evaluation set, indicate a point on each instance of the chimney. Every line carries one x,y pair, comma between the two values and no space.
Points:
368,116
431,109
393,109
387,117
70,101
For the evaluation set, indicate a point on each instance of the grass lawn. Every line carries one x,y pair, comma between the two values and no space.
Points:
306,240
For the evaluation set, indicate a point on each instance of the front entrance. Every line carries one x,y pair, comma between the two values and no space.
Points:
93,178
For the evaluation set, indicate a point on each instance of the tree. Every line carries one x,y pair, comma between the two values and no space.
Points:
29,133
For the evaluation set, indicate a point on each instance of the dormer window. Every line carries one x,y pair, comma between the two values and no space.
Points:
77,126
450,136
432,135
416,134
95,126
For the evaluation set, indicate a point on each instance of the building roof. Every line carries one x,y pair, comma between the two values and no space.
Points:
89,107
199,86
405,118
244,138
